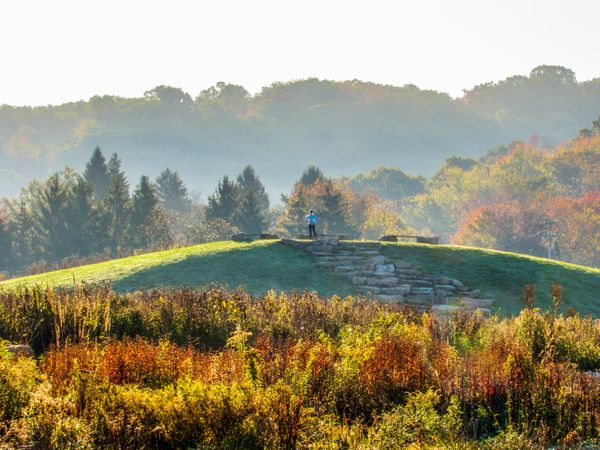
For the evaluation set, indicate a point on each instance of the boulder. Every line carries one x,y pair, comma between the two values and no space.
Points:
388,238
390,298
457,283
20,350
385,268
243,237
375,260
359,279
268,236
475,302
382,282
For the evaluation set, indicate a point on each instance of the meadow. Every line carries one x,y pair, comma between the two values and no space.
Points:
216,368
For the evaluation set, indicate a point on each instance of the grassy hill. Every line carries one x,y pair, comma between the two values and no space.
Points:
264,265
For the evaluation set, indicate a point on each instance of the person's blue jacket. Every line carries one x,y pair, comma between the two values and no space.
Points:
312,219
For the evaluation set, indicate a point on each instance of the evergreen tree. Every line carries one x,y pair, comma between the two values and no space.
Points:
248,181
311,175
96,173
50,218
86,234
116,207
249,217
4,243
172,191
224,202
24,243
148,227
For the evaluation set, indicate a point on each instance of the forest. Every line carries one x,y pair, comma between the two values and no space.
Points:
344,127
518,197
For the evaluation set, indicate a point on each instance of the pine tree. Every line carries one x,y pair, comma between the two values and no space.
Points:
248,181
172,191
148,227
249,217
96,173
24,240
116,208
50,218
224,202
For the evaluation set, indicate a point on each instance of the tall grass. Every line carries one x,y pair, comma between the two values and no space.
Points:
221,369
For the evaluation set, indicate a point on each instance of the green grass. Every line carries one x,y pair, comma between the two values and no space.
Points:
264,265
257,266
501,276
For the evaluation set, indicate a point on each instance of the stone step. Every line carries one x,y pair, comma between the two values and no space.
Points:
421,290
417,284
382,282
396,290
390,298
420,299
347,258
409,272
344,269
369,289
367,253
444,287
327,264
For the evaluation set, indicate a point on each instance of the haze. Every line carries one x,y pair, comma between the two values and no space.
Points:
61,51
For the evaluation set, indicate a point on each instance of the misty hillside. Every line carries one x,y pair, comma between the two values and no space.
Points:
344,127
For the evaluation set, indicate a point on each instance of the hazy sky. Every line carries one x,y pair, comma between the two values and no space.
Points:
59,50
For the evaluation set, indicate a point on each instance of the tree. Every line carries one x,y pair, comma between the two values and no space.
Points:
148,227
86,234
249,217
248,181
172,192
96,173
4,242
169,96
224,202
335,209
116,207
51,211
311,175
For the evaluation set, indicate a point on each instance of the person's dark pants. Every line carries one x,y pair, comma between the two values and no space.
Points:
312,229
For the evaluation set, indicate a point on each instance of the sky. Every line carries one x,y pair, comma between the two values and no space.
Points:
67,50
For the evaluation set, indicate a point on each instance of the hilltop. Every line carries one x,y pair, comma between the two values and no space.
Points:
264,265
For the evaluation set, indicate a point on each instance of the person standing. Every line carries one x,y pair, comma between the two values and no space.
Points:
312,220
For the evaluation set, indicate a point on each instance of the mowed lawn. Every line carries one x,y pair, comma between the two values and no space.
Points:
501,276
257,266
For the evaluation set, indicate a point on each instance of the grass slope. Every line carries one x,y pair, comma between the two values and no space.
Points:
264,265
257,266
501,276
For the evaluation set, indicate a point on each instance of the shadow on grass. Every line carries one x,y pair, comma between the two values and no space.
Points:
257,269
502,277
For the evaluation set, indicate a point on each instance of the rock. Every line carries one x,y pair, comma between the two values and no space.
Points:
20,350
382,282
475,302
388,238
409,272
359,279
420,284
385,268
390,298
474,293
446,309
445,287
420,299
375,260
369,289
343,269
422,290
457,283
396,290
443,280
